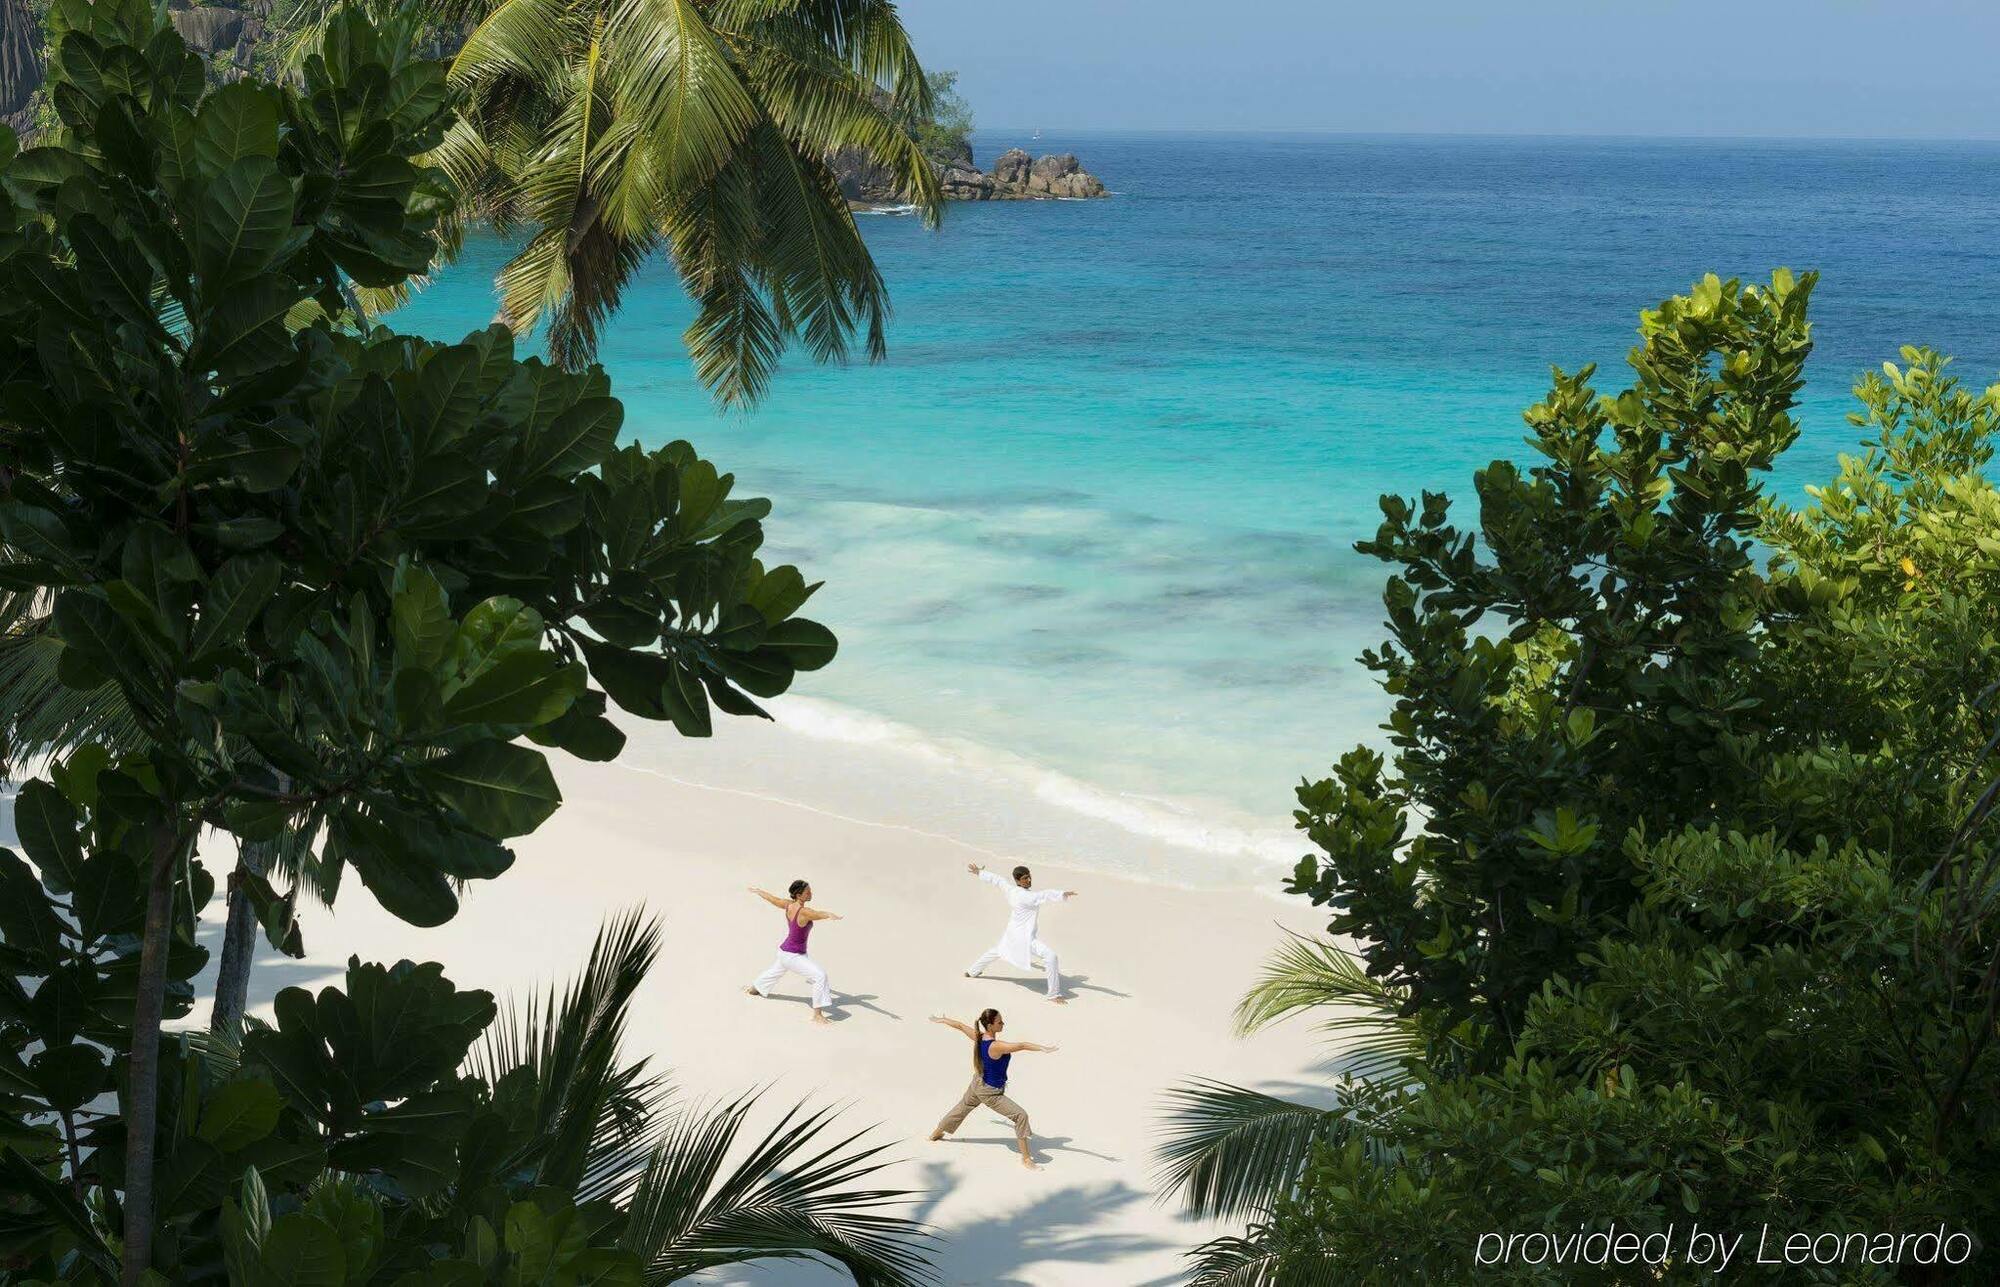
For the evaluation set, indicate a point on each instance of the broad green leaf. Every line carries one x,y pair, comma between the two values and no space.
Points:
410,888
70,1076
494,628
700,491
237,592
46,824
779,592
632,679
237,121
580,437
500,788
807,645
239,1113
302,1251
442,399
521,688
246,222
420,619
36,533
244,332
94,631
548,507
583,732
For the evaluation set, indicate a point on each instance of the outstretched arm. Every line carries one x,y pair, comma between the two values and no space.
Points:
815,914
953,1023
768,897
985,875
1015,1047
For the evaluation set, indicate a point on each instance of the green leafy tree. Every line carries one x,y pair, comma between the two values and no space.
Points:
1584,675
944,131
1679,900
330,576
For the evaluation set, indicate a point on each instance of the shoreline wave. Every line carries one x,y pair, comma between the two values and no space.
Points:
1200,829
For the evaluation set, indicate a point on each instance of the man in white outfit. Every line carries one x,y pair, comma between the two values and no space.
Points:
1018,944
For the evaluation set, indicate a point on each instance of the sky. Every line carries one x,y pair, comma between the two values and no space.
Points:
1756,68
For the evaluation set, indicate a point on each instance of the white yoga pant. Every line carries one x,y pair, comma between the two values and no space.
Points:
803,966
1035,949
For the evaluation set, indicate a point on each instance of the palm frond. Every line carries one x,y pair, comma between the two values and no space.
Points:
802,1192
39,714
614,129
675,73
595,1120
1232,1152
1377,1041
1234,1261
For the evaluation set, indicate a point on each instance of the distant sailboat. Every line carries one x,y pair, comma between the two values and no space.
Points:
1035,137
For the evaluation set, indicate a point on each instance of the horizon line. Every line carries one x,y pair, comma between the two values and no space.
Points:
1580,136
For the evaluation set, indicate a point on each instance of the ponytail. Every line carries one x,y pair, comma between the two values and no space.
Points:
987,1018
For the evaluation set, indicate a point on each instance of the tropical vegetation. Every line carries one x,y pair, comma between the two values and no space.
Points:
601,131
275,571
1675,897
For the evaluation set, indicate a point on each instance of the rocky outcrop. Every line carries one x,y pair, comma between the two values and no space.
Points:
1057,176
227,36
1015,176
20,61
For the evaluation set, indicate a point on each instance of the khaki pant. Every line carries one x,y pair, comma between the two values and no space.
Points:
978,1094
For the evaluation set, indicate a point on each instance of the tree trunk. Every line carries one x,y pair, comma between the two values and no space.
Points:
143,1068
239,938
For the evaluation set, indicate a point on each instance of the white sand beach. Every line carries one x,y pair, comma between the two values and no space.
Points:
1154,971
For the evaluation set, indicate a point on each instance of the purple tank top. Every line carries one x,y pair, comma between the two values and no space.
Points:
795,935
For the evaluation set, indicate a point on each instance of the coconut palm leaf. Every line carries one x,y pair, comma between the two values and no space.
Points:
596,1119
1377,1042
1230,1151
1230,1261
39,714
801,1192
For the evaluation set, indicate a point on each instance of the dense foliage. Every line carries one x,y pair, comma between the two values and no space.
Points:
943,128
321,580
1674,902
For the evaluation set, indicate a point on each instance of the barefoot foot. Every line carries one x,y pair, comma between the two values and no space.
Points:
820,1017
1031,1164
752,992
1058,1000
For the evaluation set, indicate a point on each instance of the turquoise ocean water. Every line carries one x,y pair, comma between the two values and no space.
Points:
1092,520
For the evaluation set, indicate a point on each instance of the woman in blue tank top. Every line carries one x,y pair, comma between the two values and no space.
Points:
990,1058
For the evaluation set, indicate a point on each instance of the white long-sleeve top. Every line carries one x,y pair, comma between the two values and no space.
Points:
1023,917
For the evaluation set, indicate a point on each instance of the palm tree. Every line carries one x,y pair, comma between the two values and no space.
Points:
694,1200
1233,1153
604,130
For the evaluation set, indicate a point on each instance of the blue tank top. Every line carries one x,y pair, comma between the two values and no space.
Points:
993,1071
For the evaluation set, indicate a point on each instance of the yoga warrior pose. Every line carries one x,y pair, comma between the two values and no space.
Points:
792,956
990,1057
1018,945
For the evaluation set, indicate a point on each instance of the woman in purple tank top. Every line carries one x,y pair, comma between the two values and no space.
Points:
799,920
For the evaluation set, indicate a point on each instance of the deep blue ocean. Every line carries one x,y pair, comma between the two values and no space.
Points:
1095,512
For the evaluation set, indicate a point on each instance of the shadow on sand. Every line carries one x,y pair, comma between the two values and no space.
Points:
842,1002
1066,1225
1072,983
1041,1143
